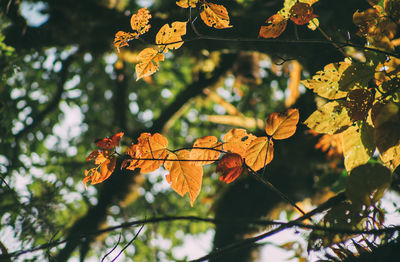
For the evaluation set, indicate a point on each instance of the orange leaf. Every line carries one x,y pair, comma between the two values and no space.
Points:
92,155
230,166
171,34
150,59
109,142
183,176
277,24
106,169
259,153
301,13
140,21
237,141
215,16
187,3
282,126
122,38
209,155
151,147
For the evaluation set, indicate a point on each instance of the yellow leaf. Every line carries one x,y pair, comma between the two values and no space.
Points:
331,118
205,154
276,26
215,16
259,153
171,34
326,82
140,21
150,59
358,145
122,38
187,3
237,141
357,75
184,176
152,148
282,126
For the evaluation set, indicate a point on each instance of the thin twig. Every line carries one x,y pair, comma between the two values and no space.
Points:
130,242
115,246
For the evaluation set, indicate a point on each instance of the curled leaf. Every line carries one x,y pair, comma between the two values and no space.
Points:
301,13
183,176
215,16
109,142
230,166
150,59
259,153
208,155
276,26
282,125
172,35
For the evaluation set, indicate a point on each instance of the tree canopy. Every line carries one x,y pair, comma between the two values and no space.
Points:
127,126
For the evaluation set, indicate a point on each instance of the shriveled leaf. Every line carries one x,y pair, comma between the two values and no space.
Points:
358,103
313,24
358,145
106,169
357,75
367,183
109,142
183,176
202,153
230,166
276,25
140,21
325,82
214,15
172,35
282,125
122,38
331,118
259,153
152,150
150,59
301,13
237,141
187,3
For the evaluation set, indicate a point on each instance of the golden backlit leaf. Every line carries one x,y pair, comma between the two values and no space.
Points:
326,82
150,59
140,21
153,150
106,169
259,153
205,154
187,3
331,118
230,166
237,141
301,13
276,26
358,145
171,34
282,125
122,38
184,176
214,15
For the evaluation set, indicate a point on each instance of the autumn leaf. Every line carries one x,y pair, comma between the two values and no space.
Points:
93,155
331,118
356,76
109,142
122,38
187,3
237,141
326,82
150,59
205,154
331,144
230,166
171,34
153,150
214,15
140,21
358,145
259,153
184,176
276,26
282,125
301,13
106,169
358,103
